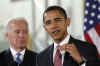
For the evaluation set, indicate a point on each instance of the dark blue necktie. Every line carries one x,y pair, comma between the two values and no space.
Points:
18,59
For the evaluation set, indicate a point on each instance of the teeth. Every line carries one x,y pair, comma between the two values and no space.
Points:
54,32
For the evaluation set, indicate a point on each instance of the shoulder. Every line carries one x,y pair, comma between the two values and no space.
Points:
48,49
85,47
44,56
46,52
3,53
82,43
30,52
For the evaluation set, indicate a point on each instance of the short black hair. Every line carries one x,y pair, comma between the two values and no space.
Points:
60,9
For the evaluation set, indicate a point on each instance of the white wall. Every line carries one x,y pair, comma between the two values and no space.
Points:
5,13
77,18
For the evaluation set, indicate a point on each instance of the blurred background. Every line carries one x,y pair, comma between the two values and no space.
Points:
32,11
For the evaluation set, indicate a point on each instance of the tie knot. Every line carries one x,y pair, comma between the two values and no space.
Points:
58,51
18,54
58,47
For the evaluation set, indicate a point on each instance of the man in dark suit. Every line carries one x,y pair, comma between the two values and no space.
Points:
65,51
17,54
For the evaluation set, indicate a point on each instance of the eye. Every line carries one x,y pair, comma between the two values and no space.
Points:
58,19
17,32
48,22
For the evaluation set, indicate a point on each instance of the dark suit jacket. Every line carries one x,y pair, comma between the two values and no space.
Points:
88,51
6,59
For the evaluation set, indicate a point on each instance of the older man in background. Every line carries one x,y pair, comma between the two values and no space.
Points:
17,54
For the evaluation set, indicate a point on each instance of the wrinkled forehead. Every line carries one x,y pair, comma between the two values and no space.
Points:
18,22
54,12
52,15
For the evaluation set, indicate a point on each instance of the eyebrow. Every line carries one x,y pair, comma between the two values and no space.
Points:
56,18
59,18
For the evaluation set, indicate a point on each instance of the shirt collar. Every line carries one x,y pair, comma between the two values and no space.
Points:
65,41
14,51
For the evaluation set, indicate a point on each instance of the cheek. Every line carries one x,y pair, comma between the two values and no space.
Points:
49,32
12,39
47,29
27,38
63,29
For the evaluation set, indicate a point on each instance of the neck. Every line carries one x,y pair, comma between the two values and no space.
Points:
18,49
58,41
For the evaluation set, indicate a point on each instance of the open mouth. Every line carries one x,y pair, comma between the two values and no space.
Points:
55,31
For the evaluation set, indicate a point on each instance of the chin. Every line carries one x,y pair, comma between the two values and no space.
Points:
56,38
22,46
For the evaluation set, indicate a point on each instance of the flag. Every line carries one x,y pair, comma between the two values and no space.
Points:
92,22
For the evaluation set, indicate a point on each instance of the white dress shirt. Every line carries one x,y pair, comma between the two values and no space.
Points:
65,41
13,52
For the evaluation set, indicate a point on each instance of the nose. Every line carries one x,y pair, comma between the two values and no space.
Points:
21,35
53,25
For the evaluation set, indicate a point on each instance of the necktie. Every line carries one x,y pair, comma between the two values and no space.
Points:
18,59
58,58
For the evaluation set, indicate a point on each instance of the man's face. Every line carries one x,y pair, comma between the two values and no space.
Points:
18,34
55,24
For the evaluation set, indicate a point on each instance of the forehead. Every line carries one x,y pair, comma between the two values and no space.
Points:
18,24
53,13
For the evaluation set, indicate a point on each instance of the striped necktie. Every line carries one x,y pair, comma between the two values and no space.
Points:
18,59
58,58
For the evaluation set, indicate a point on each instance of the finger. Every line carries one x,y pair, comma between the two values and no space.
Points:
62,47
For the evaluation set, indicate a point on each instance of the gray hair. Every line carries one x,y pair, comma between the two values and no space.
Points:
12,20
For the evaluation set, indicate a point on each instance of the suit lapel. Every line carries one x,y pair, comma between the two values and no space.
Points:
9,58
68,60
24,63
71,40
51,55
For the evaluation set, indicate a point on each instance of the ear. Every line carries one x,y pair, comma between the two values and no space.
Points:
67,22
6,34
